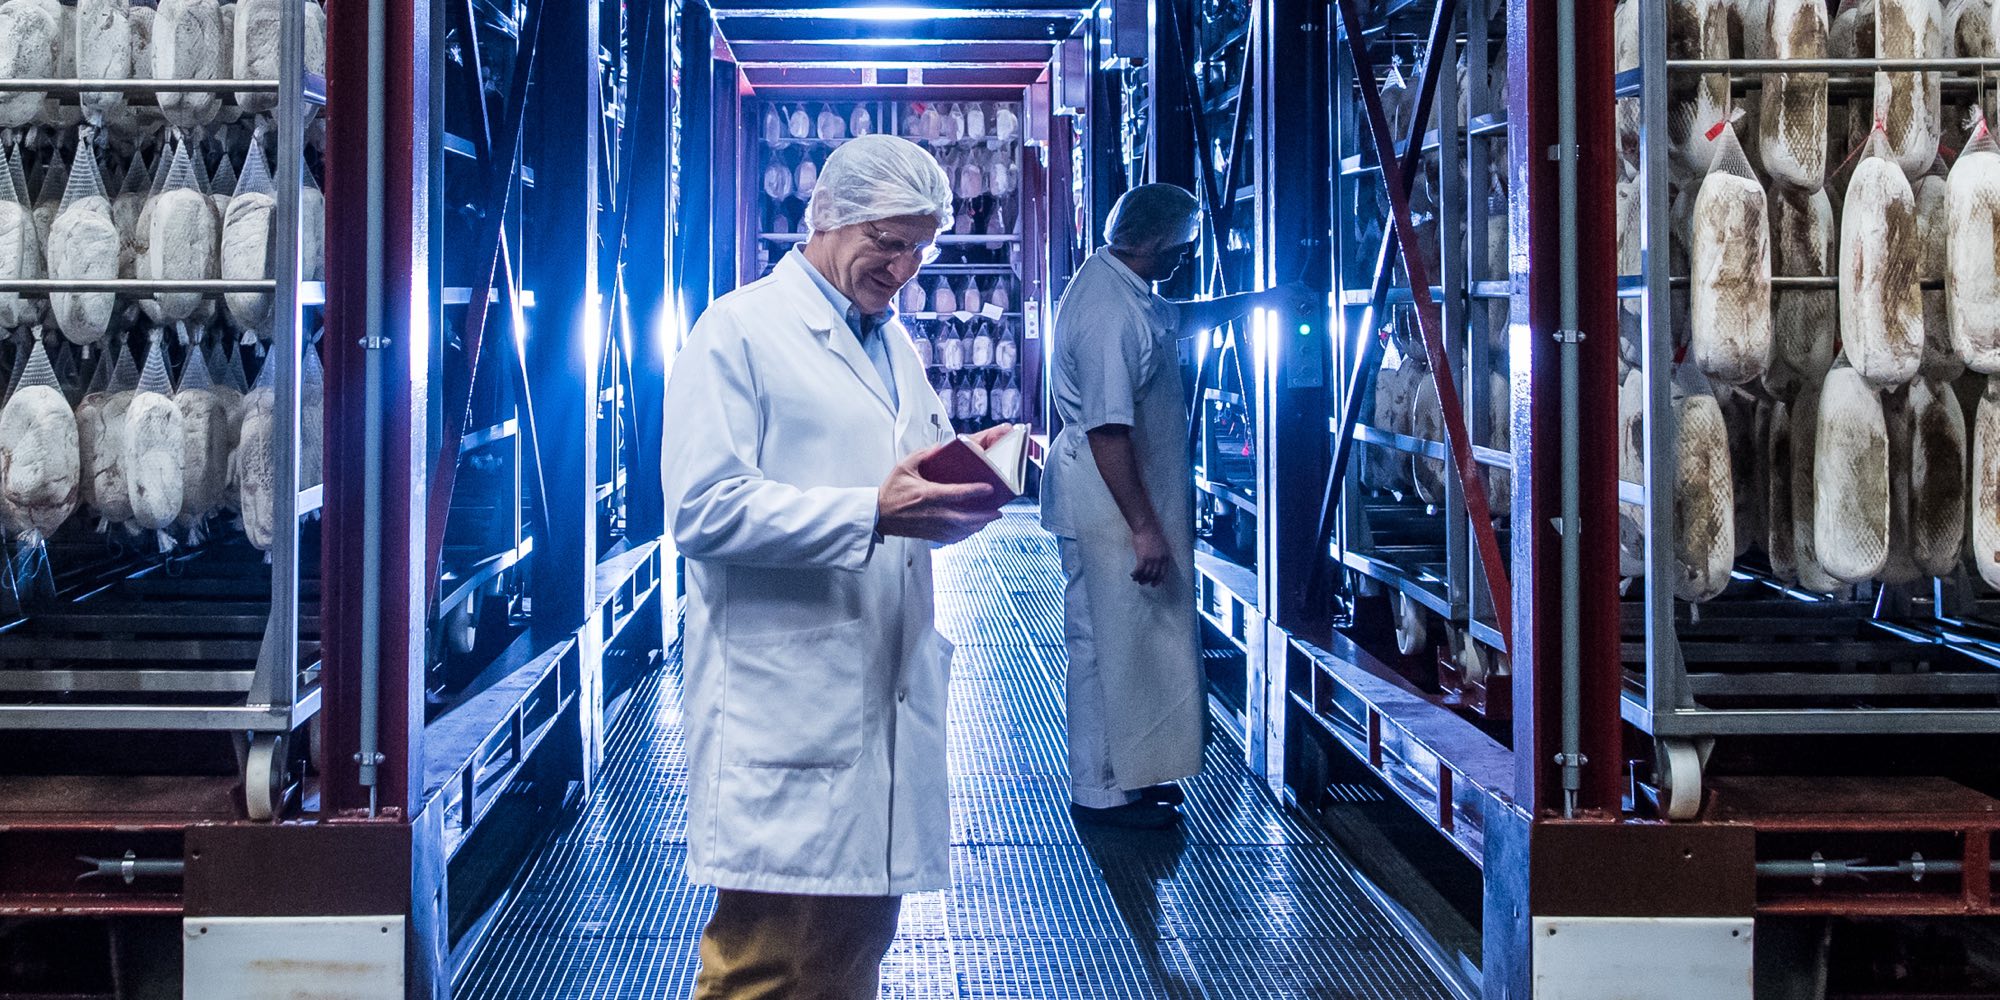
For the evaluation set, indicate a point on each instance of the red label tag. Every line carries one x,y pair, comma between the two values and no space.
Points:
1715,130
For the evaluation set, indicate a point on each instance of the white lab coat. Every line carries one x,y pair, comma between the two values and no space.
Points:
1117,362
815,682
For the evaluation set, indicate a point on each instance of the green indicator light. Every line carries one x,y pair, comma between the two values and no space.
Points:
1305,329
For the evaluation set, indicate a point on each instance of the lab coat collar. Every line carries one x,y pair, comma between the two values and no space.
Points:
817,312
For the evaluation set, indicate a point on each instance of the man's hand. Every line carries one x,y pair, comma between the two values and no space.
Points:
1295,297
1149,546
911,506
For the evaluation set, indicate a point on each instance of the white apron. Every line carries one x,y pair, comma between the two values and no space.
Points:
1145,638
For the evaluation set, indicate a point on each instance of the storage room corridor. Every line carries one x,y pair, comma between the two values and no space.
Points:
1243,902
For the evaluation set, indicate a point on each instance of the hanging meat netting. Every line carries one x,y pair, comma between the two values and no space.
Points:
38,451
84,245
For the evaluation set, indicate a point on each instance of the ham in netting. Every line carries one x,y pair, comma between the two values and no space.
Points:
1972,253
1851,479
1704,500
1941,360
1881,308
1805,494
1937,477
1780,538
1908,104
1792,118
1986,485
1730,325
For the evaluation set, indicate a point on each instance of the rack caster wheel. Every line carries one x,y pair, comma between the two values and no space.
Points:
264,777
1679,768
1412,632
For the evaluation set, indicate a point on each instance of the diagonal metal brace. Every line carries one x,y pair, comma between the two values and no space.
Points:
1429,321
504,165
1429,75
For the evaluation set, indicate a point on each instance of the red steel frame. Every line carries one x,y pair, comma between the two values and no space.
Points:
407,315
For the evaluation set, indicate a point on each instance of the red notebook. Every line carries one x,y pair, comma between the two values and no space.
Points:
1004,466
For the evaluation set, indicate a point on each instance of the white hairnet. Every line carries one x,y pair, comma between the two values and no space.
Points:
1152,216
876,177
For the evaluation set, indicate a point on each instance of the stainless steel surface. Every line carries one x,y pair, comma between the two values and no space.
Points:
146,681
132,286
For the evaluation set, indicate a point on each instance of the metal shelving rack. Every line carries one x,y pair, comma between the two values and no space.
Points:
1423,555
193,683
970,256
1764,659
1225,101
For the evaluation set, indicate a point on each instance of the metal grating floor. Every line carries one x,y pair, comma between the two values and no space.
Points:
1245,901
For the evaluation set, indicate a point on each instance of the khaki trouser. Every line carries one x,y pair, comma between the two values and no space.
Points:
774,946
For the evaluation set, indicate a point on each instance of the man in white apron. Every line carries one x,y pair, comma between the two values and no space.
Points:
815,682
1118,494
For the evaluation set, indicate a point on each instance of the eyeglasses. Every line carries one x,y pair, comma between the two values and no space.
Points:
1181,252
896,248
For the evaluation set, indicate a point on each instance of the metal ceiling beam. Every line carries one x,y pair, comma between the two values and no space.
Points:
899,51
1037,28
841,10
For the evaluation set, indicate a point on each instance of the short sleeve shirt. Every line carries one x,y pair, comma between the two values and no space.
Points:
1112,334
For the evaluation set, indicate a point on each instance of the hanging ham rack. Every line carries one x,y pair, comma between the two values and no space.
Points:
241,659
1767,659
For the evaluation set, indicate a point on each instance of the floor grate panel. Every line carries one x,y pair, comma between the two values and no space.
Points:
1244,902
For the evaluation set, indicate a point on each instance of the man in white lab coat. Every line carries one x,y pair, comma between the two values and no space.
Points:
815,682
1118,494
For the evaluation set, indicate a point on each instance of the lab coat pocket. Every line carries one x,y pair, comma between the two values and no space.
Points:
793,699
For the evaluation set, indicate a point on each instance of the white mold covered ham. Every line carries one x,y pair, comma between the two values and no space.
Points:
103,43
1632,469
30,37
84,245
1851,501
1881,305
1395,395
1805,493
1427,422
1899,567
1704,500
1792,115
188,45
1986,484
1697,29
1804,322
39,463
185,237
208,438
1972,252
248,232
252,467
254,50
155,450
100,420
1908,104
1941,360
1730,324
1780,536
1937,477
20,245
